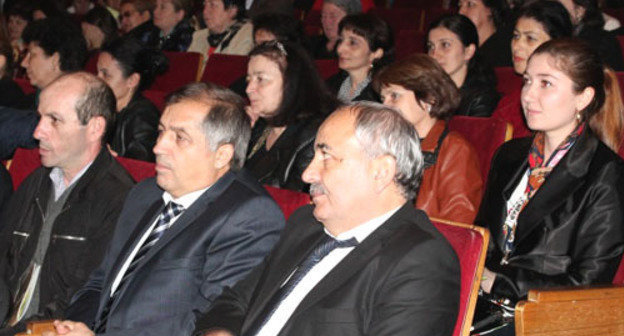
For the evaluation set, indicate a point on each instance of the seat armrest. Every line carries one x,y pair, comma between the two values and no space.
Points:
36,328
578,311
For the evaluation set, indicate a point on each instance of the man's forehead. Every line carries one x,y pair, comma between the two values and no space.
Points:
185,112
338,128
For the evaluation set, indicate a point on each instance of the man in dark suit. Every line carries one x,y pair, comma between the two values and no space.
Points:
202,224
362,260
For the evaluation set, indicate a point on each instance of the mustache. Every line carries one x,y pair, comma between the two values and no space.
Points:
316,189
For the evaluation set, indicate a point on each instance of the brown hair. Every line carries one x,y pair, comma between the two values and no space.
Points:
605,113
429,82
141,5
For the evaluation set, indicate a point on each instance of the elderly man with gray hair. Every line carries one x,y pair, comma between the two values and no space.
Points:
361,260
332,11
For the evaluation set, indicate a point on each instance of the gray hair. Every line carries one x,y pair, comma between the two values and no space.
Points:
225,123
349,6
381,130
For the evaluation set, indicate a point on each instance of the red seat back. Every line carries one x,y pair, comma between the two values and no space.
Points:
619,275
25,161
183,69
470,245
399,18
408,42
327,67
510,110
507,80
91,66
25,85
224,69
485,135
288,200
157,98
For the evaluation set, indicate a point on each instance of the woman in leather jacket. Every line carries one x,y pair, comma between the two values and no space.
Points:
128,67
451,185
453,42
555,201
288,101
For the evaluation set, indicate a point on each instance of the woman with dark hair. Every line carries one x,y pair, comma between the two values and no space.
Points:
18,17
332,12
10,92
99,28
288,101
365,46
227,29
536,23
453,42
175,30
588,25
128,67
489,17
555,201
426,96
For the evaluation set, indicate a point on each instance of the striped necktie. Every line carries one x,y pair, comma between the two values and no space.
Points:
170,211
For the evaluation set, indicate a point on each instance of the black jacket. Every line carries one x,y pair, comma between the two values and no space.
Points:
80,233
16,130
478,99
136,129
571,232
289,156
146,33
605,43
334,82
179,39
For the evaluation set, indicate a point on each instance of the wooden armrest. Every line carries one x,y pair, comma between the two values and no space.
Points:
36,328
579,311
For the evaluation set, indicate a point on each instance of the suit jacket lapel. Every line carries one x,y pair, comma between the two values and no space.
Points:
357,259
143,225
284,262
564,179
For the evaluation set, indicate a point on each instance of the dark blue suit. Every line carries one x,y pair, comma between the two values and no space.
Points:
214,243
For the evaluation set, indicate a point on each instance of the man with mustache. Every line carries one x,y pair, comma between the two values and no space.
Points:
361,260
60,220
200,225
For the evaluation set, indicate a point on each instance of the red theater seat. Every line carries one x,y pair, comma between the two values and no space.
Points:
183,69
408,42
470,244
485,135
507,81
327,67
91,66
25,85
139,170
288,200
225,69
157,98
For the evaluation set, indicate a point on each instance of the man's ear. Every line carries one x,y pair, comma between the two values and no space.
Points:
96,128
383,172
224,156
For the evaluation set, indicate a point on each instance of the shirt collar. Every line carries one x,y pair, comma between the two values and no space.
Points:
58,180
186,200
362,231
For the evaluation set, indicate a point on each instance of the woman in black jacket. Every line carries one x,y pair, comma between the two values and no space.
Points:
288,101
128,67
453,42
555,202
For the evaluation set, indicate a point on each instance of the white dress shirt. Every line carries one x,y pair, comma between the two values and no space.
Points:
186,201
287,307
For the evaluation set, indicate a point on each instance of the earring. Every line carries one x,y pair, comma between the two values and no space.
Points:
578,116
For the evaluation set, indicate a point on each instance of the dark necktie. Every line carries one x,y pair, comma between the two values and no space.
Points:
324,247
170,211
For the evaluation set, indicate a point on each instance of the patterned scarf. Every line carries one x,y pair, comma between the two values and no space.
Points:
539,169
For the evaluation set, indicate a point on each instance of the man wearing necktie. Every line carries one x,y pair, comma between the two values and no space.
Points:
361,260
200,225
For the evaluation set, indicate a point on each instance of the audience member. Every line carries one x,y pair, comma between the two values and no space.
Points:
451,186
60,220
377,266
366,45
10,93
332,12
278,26
99,28
288,102
228,31
563,189
489,17
136,19
258,7
18,17
588,25
175,30
54,47
453,42
6,189
128,67
200,225
536,23
16,127
48,9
